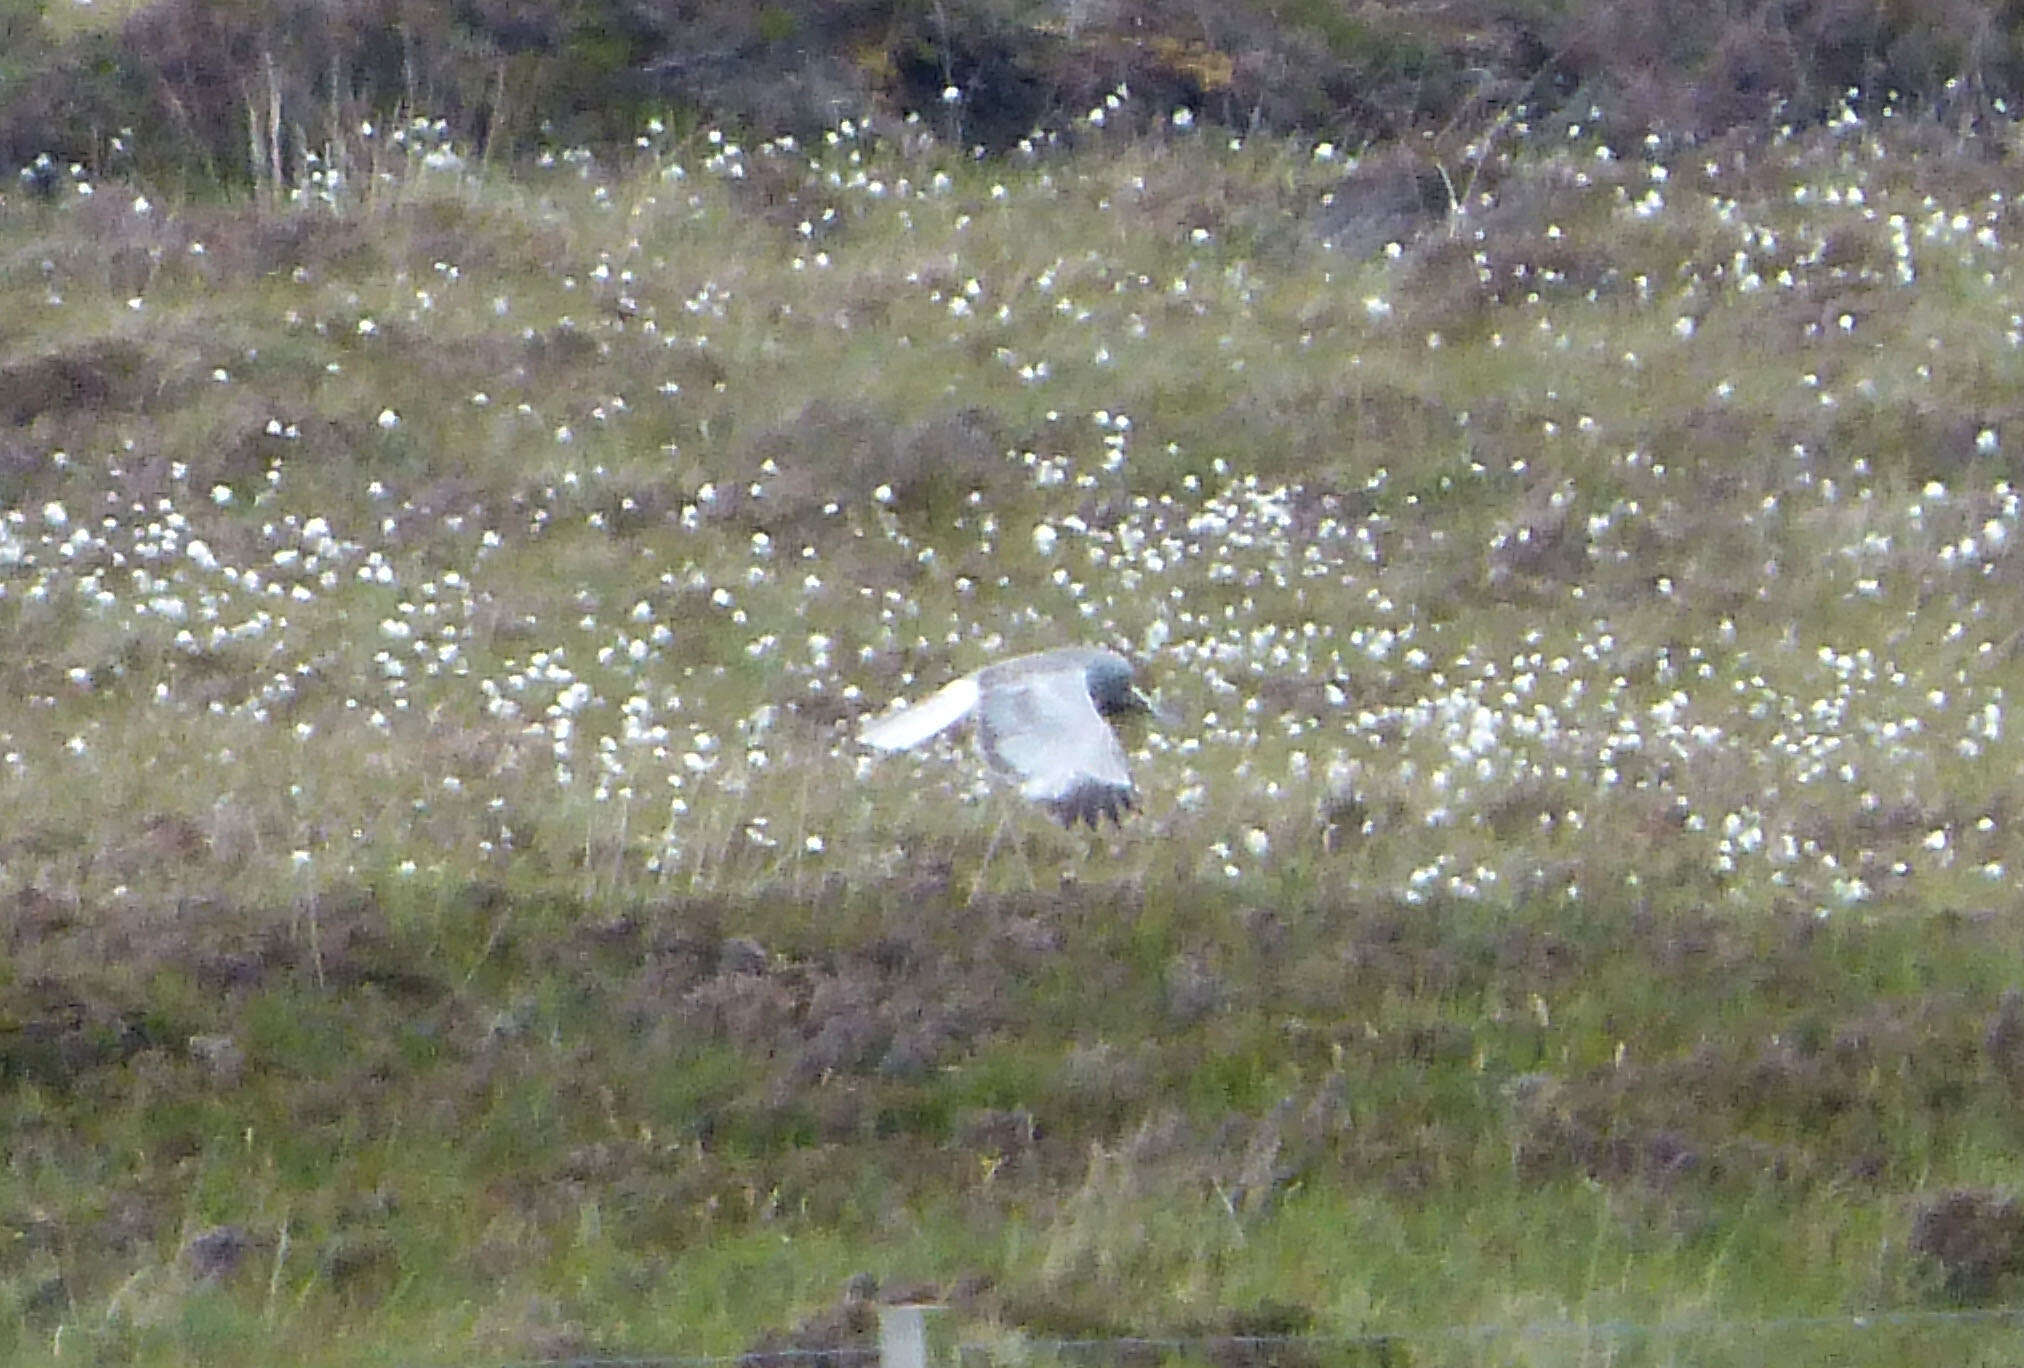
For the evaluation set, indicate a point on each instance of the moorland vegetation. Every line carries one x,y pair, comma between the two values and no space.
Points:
1574,907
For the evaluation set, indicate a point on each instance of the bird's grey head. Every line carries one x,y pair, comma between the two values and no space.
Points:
1110,687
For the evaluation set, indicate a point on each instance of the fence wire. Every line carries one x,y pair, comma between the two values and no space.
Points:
977,1353
1614,1329
757,1358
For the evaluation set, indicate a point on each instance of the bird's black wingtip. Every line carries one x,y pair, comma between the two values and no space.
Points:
1086,804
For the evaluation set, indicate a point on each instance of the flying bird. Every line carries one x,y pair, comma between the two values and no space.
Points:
1039,719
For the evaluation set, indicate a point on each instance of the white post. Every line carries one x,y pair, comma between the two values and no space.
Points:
903,1336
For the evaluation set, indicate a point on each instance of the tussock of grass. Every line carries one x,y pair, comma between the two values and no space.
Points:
446,914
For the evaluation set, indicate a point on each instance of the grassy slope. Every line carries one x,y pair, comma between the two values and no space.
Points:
1581,890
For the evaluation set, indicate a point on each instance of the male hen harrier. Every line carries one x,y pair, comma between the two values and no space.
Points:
1040,719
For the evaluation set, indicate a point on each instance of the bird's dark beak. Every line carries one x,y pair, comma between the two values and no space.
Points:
1157,710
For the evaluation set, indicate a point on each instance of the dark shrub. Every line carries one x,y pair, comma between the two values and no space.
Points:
1977,1237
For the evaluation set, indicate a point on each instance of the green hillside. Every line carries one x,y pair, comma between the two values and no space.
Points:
447,917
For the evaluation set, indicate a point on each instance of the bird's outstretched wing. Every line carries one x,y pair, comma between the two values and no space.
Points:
1042,728
904,727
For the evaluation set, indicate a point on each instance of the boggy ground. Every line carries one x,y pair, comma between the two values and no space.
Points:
447,918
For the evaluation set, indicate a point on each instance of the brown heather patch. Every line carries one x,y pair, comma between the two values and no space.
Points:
1915,439
835,451
329,943
1387,197
1976,1238
785,196
1332,433
106,375
1542,548
57,1033
2003,1040
1816,1095
411,235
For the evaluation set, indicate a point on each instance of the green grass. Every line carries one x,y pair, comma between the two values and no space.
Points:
1571,918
